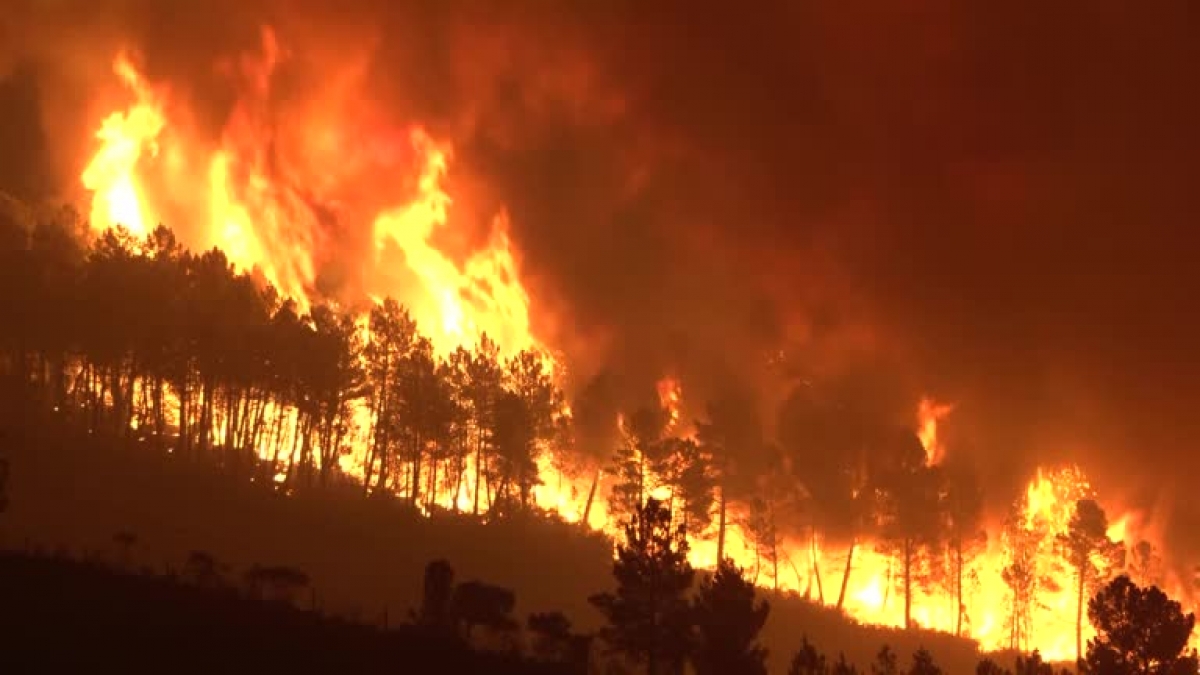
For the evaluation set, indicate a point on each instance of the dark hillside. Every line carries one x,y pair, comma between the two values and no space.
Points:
65,616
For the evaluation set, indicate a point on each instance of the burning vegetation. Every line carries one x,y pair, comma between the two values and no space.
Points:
420,377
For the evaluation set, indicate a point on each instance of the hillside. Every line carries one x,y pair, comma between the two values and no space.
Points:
60,615
365,556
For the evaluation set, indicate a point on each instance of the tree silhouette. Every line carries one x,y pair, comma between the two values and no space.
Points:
648,616
634,462
436,595
552,631
475,603
1139,631
728,621
225,371
422,412
339,380
392,334
595,408
909,494
683,466
885,662
827,436
515,439
963,513
989,667
807,660
454,371
1033,665
531,426
922,664
1022,573
842,666
732,437
1145,564
1084,542
486,381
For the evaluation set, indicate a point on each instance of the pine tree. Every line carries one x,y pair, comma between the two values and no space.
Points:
728,621
1084,542
648,616
1139,631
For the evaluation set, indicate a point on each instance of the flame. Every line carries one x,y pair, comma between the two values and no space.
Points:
272,192
266,208
670,396
929,413
126,138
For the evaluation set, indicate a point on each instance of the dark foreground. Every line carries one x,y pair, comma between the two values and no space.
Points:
59,615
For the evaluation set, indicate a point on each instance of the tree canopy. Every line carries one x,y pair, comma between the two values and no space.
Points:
649,619
1139,631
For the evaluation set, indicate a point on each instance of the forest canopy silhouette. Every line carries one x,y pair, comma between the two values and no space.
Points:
178,353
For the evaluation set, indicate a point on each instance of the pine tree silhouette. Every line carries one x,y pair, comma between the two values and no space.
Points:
648,616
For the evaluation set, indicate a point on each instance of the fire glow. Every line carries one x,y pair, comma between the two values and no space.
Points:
257,204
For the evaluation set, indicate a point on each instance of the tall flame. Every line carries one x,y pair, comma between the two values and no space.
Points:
266,210
929,413
126,138
272,210
670,397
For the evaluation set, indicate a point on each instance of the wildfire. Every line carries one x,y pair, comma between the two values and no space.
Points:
275,210
929,413
126,138
270,211
670,395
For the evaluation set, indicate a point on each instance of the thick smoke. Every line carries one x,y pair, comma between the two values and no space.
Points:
992,203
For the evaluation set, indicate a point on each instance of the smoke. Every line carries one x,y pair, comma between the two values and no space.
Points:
998,222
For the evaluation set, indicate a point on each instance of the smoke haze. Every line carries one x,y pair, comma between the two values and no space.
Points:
993,205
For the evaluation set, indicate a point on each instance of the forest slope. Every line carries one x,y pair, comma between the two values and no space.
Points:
366,557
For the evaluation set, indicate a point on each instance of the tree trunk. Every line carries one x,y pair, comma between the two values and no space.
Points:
185,441
721,529
958,576
816,565
1079,612
232,408
205,415
478,471
907,584
416,471
846,573
587,507
775,567
431,491
385,454
887,587
460,468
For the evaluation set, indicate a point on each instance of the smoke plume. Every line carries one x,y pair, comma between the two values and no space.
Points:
992,206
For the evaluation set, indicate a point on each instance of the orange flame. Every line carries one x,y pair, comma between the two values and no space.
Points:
670,396
259,211
929,413
126,137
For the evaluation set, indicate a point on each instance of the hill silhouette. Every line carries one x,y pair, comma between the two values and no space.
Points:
62,615
365,557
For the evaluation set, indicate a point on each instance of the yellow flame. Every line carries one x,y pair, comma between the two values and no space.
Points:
929,413
257,215
670,396
125,138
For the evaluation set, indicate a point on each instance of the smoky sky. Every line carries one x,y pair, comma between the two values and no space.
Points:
996,199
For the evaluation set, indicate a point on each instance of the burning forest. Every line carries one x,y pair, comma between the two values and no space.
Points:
300,291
